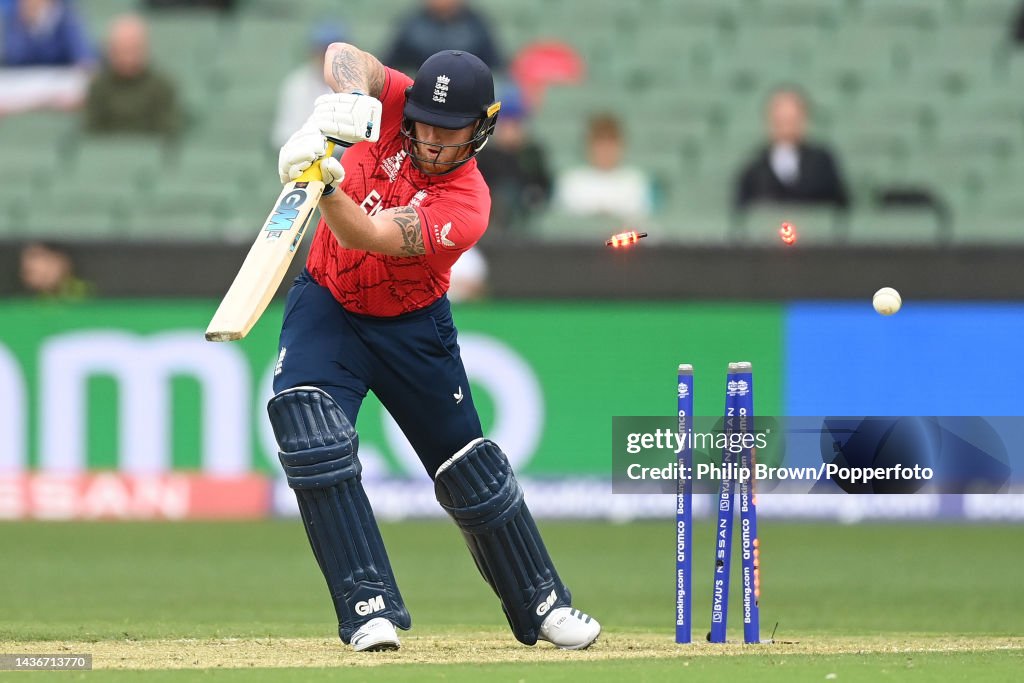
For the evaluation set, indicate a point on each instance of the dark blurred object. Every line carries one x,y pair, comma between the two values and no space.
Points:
43,33
128,95
442,25
790,170
857,444
515,168
542,64
304,84
918,198
48,272
1018,27
220,5
972,456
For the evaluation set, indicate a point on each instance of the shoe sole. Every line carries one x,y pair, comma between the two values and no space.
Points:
381,647
584,646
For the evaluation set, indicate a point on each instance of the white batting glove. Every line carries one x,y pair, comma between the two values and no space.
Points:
333,173
305,146
348,117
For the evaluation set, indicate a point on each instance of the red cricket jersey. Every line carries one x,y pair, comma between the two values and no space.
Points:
453,211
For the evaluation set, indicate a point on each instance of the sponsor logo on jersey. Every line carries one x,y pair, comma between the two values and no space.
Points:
418,198
441,234
392,165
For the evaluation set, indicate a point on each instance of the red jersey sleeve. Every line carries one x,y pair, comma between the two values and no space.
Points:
392,100
452,222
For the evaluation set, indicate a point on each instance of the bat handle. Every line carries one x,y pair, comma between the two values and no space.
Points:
312,174
339,142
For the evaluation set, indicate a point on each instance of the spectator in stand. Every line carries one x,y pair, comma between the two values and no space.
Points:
790,170
43,33
128,95
469,277
47,272
45,56
442,25
515,168
303,85
605,187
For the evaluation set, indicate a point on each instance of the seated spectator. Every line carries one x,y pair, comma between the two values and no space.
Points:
43,33
605,186
128,95
303,85
442,25
469,277
789,169
45,56
47,272
515,168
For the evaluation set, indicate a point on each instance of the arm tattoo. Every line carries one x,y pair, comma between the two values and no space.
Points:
353,69
375,77
348,70
408,222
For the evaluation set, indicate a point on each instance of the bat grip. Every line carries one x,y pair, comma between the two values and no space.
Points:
313,174
339,142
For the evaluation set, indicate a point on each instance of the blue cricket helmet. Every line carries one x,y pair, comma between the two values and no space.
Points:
452,90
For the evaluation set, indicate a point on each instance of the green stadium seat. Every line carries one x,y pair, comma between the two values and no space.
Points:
199,212
236,166
693,226
704,12
556,226
988,229
37,131
895,226
922,14
86,210
180,40
804,13
125,161
993,14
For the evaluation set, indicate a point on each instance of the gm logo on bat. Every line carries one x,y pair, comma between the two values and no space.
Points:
287,210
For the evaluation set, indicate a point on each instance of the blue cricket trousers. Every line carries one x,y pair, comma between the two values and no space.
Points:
411,363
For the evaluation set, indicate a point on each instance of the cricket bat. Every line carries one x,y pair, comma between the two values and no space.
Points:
269,257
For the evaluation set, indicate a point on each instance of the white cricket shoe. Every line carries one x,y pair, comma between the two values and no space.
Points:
570,629
375,635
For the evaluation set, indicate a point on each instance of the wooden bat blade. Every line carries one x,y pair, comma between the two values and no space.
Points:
266,263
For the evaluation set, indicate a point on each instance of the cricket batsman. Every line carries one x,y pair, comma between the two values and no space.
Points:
369,312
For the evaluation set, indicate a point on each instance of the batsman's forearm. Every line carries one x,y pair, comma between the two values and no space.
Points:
349,69
348,223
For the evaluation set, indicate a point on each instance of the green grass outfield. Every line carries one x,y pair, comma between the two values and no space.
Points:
246,602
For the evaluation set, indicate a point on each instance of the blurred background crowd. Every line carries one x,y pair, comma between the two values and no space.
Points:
703,121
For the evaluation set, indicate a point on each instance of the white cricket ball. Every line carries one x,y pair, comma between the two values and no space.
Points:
887,301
